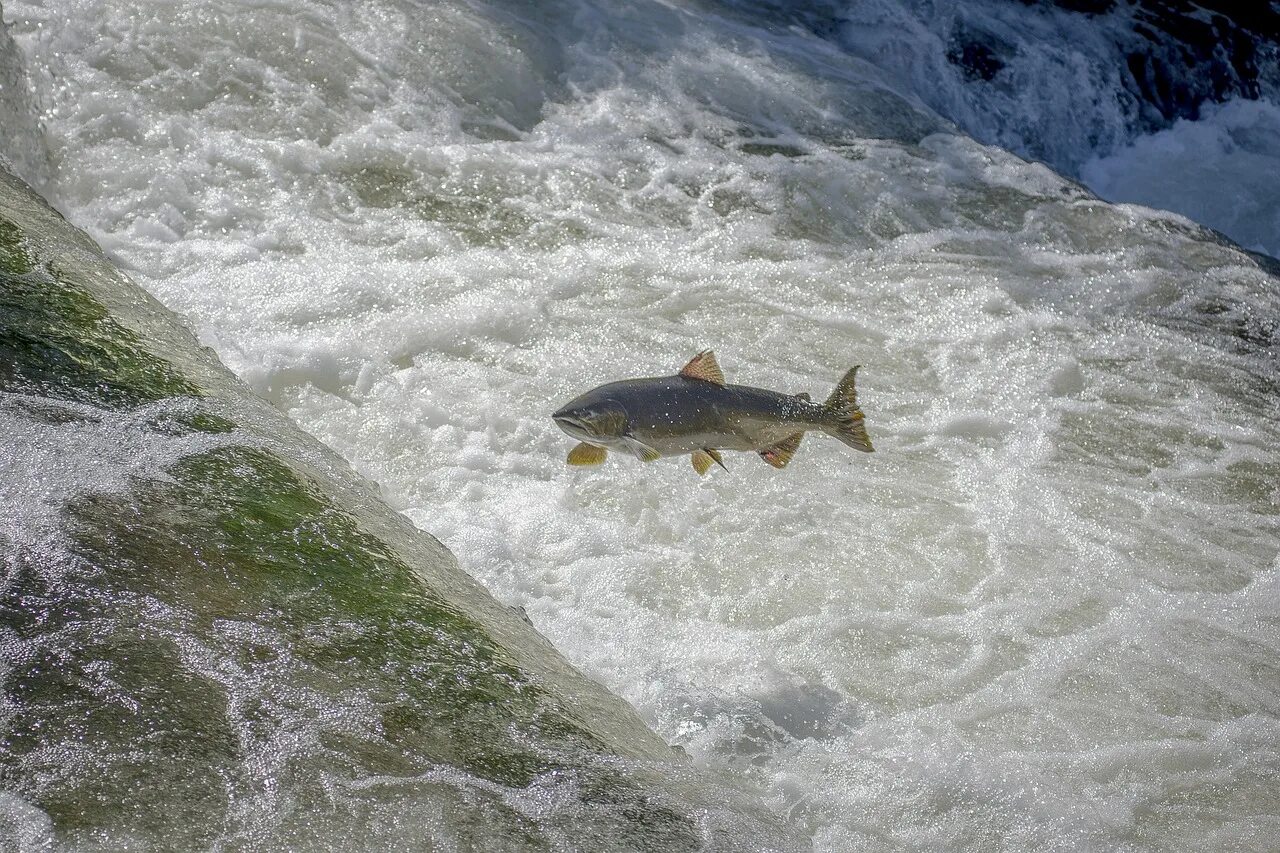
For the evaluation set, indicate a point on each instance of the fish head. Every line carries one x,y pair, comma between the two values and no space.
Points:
593,418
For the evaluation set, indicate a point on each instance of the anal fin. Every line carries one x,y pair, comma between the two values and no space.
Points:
587,454
780,454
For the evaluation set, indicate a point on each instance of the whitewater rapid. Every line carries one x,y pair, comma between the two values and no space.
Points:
1168,105
1222,170
1042,615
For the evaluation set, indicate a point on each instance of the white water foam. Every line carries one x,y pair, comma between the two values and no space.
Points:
1042,615
1222,170
22,149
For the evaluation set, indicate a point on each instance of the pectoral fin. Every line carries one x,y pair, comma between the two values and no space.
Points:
587,454
642,451
780,454
703,458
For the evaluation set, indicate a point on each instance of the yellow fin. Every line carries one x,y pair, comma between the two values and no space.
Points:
587,454
847,419
703,460
642,451
780,454
705,367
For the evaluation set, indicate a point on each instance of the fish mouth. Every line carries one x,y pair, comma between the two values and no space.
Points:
573,425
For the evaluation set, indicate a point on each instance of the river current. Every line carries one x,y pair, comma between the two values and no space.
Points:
1043,615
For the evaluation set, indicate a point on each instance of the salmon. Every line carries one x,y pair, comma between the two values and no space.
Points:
696,413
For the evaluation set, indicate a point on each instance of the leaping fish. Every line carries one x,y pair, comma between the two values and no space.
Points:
697,413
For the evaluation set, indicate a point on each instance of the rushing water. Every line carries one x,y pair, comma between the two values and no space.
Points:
1222,170
214,636
1043,615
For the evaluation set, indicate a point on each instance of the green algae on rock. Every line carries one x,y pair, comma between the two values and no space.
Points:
58,341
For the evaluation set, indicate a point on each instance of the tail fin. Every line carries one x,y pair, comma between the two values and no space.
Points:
845,419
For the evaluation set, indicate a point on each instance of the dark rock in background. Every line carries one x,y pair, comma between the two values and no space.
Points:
1181,56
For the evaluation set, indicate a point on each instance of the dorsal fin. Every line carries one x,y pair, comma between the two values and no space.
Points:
803,395
703,366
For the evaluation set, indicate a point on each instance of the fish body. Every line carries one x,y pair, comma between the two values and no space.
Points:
696,412
675,415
